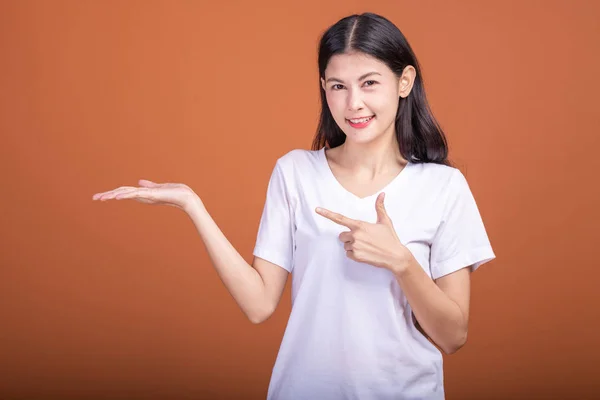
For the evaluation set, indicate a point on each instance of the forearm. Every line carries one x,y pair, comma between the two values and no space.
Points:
240,278
439,316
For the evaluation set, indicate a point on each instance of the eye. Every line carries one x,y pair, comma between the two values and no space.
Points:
370,83
337,86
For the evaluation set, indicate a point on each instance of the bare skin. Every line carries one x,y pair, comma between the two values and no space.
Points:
357,87
256,288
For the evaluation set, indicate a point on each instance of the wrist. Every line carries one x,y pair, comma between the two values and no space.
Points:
193,205
402,263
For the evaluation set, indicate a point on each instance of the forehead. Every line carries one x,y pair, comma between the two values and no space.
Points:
353,65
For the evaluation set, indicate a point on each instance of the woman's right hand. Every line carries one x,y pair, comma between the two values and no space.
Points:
256,287
171,194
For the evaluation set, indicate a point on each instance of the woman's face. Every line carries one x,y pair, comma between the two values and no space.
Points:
363,95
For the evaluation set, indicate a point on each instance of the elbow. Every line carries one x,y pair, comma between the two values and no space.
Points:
260,315
257,319
456,344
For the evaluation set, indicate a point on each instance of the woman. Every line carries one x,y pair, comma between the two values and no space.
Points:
377,288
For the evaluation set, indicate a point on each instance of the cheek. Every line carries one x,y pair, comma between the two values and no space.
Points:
385,105
336,102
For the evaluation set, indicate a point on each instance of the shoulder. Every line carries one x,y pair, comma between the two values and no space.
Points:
437,175
295,169
440,184
297,159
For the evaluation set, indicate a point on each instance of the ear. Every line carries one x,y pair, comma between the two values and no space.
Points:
323,83
406,81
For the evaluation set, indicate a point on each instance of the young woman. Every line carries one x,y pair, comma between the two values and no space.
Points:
379,283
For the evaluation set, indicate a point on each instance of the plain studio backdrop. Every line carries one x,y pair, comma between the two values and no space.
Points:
118,300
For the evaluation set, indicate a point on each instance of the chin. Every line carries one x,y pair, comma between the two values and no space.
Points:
360,137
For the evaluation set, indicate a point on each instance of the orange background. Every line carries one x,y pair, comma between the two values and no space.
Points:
119,300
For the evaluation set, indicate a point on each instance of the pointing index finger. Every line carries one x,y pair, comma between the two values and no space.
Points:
338,218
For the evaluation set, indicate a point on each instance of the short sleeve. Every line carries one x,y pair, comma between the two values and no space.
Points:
275,239
461,239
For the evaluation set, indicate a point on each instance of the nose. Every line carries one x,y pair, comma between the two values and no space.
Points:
355,101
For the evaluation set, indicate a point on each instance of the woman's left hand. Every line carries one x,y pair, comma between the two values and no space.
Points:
372,243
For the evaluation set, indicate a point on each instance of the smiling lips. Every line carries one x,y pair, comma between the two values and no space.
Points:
360,123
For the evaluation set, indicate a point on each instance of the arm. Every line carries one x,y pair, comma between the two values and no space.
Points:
459,247
256,288
441,307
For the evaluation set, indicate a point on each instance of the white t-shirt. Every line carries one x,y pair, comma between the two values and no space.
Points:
350,334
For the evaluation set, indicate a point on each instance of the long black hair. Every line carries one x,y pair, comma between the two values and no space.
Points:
420,138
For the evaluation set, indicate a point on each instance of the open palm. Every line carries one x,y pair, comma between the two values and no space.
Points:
171,194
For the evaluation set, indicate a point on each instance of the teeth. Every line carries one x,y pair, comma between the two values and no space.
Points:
359,121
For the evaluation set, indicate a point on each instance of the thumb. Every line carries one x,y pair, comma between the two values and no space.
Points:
147,183
382,215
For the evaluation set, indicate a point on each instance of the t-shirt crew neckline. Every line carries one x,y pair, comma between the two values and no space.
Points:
335,183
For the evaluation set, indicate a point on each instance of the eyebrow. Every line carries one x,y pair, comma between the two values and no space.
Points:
360,79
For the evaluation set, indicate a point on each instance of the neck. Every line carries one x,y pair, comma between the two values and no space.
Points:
374,158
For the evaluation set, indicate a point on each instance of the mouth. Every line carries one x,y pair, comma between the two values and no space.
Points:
360,123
